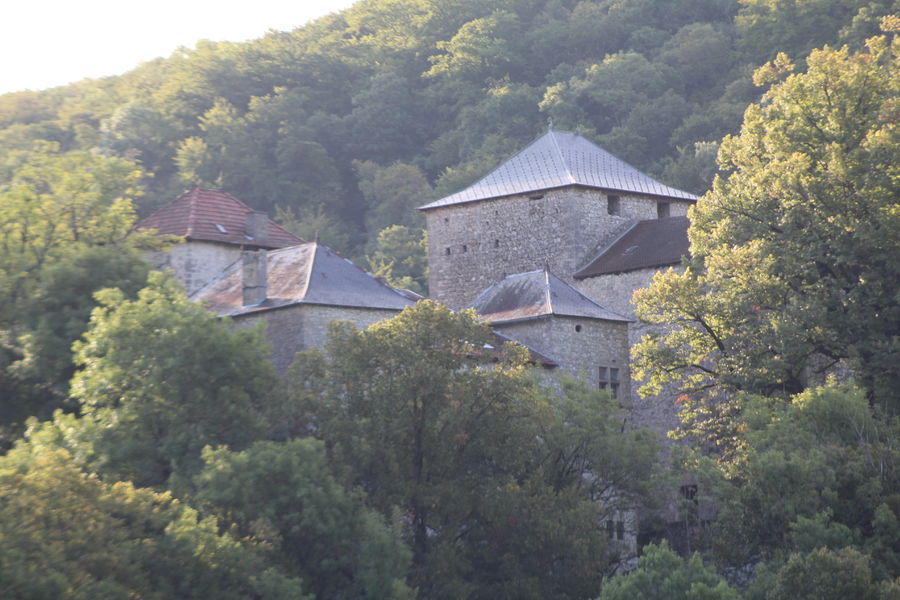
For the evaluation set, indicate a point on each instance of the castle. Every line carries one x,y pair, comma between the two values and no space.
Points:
548,248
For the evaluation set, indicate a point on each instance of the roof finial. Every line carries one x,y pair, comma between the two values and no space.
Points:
578,129
317,236
549,123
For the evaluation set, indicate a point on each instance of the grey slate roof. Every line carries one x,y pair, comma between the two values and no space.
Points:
558,159
306,274
537,294
647,244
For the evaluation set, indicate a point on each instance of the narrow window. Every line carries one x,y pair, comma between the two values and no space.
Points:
662,210
496,243
620,530
691,503
614,381
611,529
604,378
612,205
447,251
465,248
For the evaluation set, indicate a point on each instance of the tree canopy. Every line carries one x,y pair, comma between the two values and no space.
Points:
793,251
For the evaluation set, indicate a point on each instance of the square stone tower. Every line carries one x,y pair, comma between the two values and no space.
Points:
553,205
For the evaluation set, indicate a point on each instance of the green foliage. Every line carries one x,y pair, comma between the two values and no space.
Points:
54,204
393,193
161,378
825,574
503,488
319,532
401,258
67,534
819,473
793,249
663,575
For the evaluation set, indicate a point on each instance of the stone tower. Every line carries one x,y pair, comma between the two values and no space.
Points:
555,205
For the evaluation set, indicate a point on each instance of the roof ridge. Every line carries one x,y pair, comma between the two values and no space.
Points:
547,292
310,268
190,195
562,157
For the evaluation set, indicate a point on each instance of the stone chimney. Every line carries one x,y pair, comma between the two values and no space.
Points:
256,225
254,277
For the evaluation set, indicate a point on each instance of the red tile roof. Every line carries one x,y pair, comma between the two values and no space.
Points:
214,216
648,244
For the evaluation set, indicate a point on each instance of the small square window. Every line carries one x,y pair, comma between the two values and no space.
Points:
613,206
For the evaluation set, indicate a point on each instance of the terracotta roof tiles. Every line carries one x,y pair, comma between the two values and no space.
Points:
214,216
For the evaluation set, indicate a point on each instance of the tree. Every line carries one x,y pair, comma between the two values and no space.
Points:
822,472
401,257
392,194
70,535
162,377
503,488
322,534
54,204
793,251
825,574
663,575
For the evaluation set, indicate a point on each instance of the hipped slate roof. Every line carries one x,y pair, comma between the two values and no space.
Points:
648,244
537,294
558,159
214,216
306,274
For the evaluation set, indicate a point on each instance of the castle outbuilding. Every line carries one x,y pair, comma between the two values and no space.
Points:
216,227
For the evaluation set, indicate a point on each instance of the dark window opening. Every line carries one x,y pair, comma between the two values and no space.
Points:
447,251
446,219
612,205
662,210
496,243
615,530
691,503
465,248
578,328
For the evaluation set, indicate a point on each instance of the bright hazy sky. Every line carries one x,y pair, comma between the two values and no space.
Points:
45,43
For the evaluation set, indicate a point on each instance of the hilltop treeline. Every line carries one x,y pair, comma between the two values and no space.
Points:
349,122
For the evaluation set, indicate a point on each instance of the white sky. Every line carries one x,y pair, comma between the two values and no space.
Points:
45,43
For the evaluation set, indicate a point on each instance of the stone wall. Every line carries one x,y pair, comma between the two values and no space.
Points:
473,245
615,292
195,263
304,326
580,346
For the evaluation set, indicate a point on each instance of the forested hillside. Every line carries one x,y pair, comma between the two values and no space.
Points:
348,123
149,449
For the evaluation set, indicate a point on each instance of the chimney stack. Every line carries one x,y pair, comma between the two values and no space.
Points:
256,225
254,276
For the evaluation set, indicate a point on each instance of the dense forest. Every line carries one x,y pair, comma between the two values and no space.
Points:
150,450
